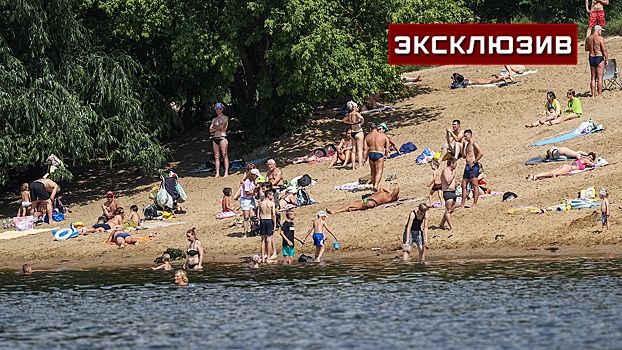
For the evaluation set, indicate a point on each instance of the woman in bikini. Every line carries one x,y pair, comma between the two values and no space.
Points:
558,152
552,110
219,140
356,121
579,164
195,251
344,150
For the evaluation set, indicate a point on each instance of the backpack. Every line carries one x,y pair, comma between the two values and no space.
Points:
459,82
304,181
151,211
58,205
302,197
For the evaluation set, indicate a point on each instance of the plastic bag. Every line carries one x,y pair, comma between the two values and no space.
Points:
182,194
163,198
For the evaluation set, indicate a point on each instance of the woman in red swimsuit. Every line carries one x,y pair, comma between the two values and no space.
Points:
579,164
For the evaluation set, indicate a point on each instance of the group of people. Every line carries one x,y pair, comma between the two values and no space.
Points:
553,114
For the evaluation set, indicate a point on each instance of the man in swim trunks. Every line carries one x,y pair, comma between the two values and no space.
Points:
43,191
377,150
383,196
448,185
595,45
472,153
597,14
454,137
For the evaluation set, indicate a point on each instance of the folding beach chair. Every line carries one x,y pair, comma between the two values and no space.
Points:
611,77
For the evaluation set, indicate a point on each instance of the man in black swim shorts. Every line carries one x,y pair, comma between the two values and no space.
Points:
44,190
448,177
595,45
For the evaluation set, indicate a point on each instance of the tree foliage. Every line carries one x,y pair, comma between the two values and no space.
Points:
61,95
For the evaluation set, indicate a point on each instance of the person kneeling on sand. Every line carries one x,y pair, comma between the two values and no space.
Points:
383,196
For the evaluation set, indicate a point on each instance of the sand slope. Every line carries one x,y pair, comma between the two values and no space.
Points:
496,116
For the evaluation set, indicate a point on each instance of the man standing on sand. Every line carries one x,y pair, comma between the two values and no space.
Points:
448,177
472,153
377,149
274,175
597,14
43,190
453,136
595,45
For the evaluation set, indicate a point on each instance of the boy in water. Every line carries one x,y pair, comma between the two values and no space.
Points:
166,265
436,182
318,235
287,232
26,269
604,209
267,223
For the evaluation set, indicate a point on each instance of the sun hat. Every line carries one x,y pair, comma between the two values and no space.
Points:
597,27
256,172
219,105
322,213
384,126
109,193
603,192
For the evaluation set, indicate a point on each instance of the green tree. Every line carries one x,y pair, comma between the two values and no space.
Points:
60,95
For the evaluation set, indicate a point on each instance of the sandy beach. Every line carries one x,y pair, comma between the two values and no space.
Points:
496,115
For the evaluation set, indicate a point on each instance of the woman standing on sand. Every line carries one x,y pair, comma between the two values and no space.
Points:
219,140
194,252
247,198
356,121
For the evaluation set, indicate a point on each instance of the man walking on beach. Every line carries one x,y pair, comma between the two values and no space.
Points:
377,149
448,185
472,153
453,136
595,45
44,190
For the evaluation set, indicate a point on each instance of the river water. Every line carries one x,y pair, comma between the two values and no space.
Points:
493,304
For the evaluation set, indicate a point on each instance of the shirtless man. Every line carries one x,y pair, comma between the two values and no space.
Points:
510,71
595,45
377,149
267,223
110,205
275,175
43,191
448,184
597,14
219,140
472,153
383,196
454,137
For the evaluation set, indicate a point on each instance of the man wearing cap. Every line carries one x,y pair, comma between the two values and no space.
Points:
109,206
595,45
383,128
220,143
376,150
43,190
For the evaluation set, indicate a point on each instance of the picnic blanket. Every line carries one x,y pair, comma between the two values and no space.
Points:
15,234
401,201
580,131
499,84
352,186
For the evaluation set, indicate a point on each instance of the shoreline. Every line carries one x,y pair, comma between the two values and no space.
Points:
461,256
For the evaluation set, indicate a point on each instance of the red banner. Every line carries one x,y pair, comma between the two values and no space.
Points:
483,44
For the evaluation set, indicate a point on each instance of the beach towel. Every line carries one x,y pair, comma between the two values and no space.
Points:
352,186
159,223
406,148
540,159
401,201
381,109
499,84
579,131
225,215
15,234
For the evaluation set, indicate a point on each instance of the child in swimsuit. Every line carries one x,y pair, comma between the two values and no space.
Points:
226,200
318,236
436,182
23,210
166,266
604,209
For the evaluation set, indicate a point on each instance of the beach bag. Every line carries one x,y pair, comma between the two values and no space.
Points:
151,211
408,147
588,193
163,198
23,223
304,181
182,194
302,197
56,216
423,157
459,82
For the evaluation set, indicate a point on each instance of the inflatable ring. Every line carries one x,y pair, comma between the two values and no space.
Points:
224,215
63,234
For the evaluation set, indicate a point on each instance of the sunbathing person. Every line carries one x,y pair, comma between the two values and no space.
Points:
383,196
315,155
121,238
558,152
344,150
579,164
464,82
573,111
509,71
288,199
552,109
407,80
99,227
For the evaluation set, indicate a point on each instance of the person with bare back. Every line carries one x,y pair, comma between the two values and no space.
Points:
383,196
599,58
356,121
472,153
597,14
377,149
219,140
453,136
448,184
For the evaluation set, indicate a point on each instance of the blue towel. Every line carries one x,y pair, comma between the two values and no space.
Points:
565,137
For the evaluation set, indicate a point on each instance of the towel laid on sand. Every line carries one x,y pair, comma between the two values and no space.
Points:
15,234
140,240
352,186
381,109
540,159
401,201
579,131
499,84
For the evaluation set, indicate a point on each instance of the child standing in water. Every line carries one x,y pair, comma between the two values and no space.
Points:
436,182
23,210
604,209
166,265
267,223
287,232
318,236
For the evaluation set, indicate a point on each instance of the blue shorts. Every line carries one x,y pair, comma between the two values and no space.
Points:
266,227
104,226
288,250
123,235
318,239
471,172
375,156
